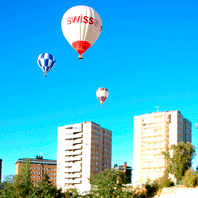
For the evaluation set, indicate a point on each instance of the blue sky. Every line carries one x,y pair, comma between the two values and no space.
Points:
146,56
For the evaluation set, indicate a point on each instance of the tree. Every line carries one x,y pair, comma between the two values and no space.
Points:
46,189
180,160
19,186
107,184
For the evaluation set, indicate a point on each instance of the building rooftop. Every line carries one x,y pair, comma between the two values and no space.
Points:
38,160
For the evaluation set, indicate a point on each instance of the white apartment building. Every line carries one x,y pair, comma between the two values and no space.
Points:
154,133
82,149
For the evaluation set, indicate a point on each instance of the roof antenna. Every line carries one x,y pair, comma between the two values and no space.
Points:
157,107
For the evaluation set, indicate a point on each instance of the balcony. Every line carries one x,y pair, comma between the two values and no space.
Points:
154,125
75,181
73,136
74,175
77,152
79,146
77,141
70,159
73,170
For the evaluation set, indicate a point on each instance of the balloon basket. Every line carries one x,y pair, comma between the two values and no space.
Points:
80,57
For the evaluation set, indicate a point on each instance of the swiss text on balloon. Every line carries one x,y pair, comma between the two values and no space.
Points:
83,19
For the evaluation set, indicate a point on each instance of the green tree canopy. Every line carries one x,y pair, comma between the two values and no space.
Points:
180,160
20,186
107,184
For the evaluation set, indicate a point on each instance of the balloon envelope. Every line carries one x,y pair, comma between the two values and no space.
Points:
196,126
102,94
46,62
81,26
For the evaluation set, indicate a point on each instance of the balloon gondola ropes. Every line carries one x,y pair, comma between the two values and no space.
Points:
81,26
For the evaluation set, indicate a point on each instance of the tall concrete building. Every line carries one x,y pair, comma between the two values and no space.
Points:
82,149
154,133
0,170
39,167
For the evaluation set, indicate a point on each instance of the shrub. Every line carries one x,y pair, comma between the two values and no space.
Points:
190,179
164,182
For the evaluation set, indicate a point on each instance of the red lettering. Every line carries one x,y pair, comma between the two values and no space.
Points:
85,19
69,20
76,19
91,20
81,18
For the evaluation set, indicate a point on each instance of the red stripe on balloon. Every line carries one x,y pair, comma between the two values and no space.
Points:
81,46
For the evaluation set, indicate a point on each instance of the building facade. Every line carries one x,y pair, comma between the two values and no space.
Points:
39,167
154,133
0,170
127,170
82,149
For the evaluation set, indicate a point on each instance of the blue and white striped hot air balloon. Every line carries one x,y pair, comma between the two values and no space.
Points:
46,62
196,126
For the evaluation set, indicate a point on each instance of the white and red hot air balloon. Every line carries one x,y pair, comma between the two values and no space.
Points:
81,26
102,94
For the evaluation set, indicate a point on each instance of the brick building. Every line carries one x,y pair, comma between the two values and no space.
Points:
39,167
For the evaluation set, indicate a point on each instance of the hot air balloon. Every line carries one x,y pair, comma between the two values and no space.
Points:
81,26
102,94
46,62
196,126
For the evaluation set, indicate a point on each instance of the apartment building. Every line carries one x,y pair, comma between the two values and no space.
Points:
39,167
82,149
127,170
154,133
0,170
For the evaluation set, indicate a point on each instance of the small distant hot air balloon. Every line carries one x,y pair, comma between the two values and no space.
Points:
102,94
196,126
81,26
46,62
